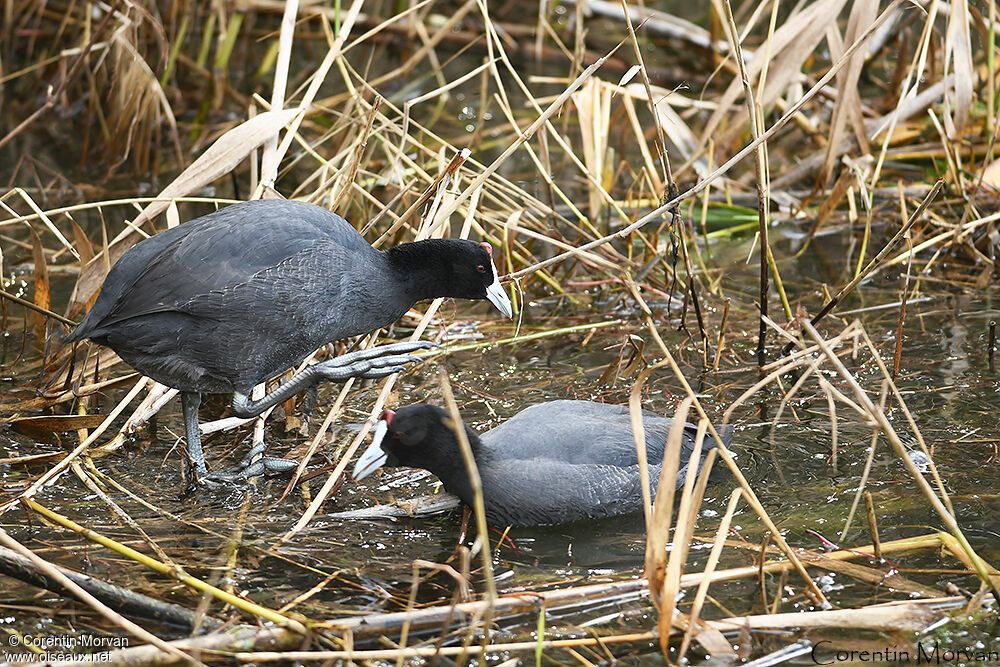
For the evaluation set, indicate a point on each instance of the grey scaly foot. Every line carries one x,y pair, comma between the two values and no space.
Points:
377,367
384,350
373,362
248,468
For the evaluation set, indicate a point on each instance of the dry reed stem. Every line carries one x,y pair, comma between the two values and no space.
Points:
526,134
56,470
114,617
893,617
639,436
903,616
720,344
482,542
876,262
661,210
914,74
852,331
361,145
907,616
543,164
271,158
790,45
661,145
335,411
432,190
333,54
308,594
335,476
847,108
130,602
863,478
516,603
446,651
710,565
591,129
761,172
792,391
241,637
36,308
112,482
748,491
687,516
911,422
122,515
658,517
873,526
158,566
958,48
65,210
412,599
40,214
957,549
500,181
785,365
978,565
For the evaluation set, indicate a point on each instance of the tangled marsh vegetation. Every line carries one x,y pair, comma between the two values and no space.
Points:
775,215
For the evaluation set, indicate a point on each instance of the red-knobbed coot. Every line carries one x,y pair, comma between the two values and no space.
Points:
223,302
551,463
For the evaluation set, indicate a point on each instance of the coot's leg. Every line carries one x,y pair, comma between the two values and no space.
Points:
372,363
190,400
309,403
247,467
376,362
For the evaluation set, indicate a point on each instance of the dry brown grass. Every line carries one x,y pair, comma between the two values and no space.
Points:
527,128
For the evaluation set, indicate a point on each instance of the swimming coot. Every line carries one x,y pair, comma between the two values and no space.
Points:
224,302
551,463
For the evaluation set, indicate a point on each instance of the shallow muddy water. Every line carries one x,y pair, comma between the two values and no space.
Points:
366,566
339,567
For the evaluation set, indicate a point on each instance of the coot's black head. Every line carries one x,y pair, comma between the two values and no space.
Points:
456,268
416,436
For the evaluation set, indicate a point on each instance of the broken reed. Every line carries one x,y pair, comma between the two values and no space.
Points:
350,145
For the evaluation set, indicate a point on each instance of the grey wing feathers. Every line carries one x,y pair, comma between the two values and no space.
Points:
595,436
213,254
573,492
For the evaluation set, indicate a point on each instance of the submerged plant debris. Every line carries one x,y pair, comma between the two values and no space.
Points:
774,215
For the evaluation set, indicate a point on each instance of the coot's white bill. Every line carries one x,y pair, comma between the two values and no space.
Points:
497,296
373,457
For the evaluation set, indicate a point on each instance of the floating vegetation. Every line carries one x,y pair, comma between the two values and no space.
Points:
775,217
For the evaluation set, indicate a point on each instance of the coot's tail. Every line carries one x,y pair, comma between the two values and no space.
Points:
79,333
85,329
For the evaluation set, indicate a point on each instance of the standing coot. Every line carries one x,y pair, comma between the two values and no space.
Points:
551,463
230,299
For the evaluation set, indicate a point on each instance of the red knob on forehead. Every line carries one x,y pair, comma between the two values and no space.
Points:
489,248
388,415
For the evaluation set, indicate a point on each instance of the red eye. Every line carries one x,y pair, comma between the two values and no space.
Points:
481,268
397,436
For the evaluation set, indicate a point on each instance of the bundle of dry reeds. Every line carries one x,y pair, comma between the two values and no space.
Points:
611,151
